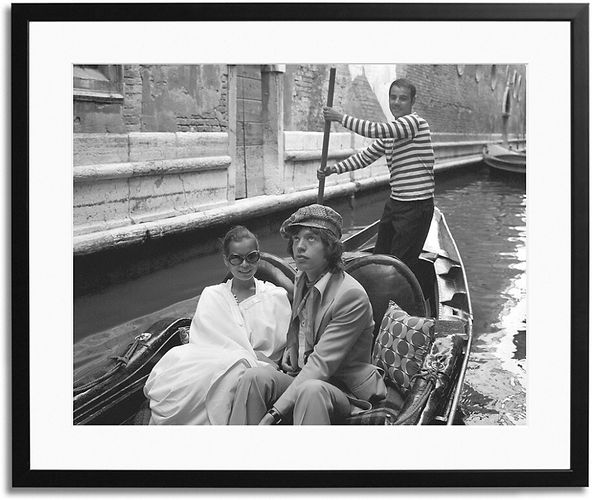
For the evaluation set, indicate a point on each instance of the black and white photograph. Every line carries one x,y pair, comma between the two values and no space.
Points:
426,190
265,235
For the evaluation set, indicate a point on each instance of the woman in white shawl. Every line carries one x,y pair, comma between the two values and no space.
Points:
238,324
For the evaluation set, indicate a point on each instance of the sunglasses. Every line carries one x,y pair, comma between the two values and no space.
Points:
251,258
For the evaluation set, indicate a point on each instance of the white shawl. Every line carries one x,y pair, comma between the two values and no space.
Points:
195,383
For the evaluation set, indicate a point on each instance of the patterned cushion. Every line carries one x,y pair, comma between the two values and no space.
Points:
401,345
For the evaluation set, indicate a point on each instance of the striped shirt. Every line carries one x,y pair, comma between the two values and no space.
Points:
407,144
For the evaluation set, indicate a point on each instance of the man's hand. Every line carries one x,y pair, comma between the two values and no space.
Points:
290,359
321,174
267,420
331,115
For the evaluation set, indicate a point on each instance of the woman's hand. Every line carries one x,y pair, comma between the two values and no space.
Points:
331,115
290,359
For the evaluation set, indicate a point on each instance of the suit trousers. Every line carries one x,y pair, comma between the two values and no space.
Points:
403,229
317,402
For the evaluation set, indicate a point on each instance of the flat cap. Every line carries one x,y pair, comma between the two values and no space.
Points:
318,216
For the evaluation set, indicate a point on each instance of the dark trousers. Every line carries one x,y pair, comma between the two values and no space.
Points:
403,229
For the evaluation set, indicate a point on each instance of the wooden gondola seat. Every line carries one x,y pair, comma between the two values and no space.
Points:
276,271
386,278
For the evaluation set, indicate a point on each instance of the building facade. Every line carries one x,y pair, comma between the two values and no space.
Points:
160,149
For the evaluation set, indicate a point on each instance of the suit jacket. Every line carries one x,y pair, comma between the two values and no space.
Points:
342,340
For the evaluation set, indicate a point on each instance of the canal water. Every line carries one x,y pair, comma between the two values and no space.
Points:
486,213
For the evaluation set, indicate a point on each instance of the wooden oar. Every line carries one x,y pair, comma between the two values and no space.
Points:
326,133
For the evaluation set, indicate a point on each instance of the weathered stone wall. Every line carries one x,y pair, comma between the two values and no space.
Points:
306,89
361,101
132,105
455,99
103,118
463,104
125,179
469,98
161,98
159,150
166,154
183,98
303,154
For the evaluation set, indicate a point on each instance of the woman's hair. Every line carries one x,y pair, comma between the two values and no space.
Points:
236,233
332,244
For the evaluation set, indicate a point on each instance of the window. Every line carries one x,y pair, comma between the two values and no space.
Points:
98,83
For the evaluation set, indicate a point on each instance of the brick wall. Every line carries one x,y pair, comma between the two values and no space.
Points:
467,99
306,89
132,105
360,100
183,98
161,98
303,97
193,98
454,99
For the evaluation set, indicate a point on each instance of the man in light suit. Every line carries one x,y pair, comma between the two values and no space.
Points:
327,372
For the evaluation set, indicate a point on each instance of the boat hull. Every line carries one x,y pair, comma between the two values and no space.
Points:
504,159
442,280
439,289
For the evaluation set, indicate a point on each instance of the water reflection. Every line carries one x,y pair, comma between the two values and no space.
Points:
490,230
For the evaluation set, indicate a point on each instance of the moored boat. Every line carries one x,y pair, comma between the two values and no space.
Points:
437,291
504,159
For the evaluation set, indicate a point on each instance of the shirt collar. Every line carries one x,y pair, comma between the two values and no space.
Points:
320,285
413,113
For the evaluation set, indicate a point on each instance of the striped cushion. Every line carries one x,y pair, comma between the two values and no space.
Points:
401,345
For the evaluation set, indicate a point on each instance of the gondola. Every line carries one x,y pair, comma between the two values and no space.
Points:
504,159
438,289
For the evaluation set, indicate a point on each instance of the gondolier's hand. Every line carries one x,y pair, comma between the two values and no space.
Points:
331,115
290,359
322,173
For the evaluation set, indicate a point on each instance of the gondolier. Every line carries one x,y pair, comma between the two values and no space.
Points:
407,144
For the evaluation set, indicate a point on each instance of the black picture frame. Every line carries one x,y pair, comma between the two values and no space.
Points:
576,475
